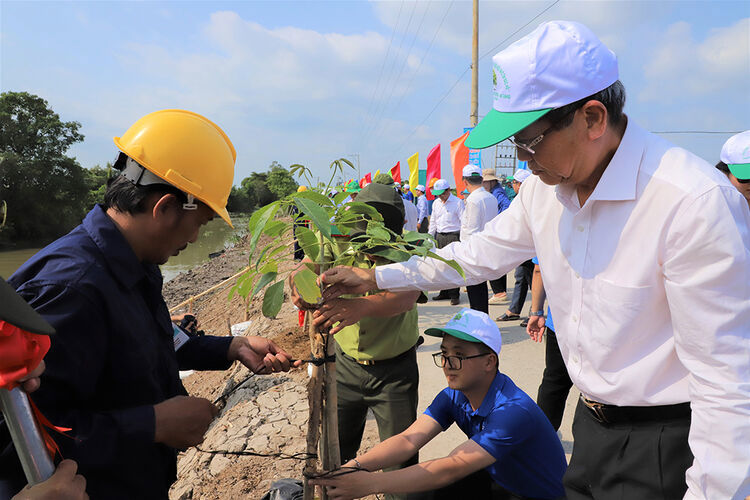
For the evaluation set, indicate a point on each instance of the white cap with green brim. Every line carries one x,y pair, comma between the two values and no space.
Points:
473,326
736,154
440,186
558,63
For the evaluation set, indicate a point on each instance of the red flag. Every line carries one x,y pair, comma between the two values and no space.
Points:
367,179
396,172
459,159
433,169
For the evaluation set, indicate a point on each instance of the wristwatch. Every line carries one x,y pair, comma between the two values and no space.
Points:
536,313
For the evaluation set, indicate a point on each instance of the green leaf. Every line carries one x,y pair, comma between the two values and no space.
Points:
263,281
316,213
413,236
378,231
274,228
451,263
269,267
339,198
308,242
276,251
393,254
273,299
262,254
318,198
246,285
307,286
258,222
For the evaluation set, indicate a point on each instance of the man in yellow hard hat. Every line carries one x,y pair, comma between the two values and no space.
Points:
112,369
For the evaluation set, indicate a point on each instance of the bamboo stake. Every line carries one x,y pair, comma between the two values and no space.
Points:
315,398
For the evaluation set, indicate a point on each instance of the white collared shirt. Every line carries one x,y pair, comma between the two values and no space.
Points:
410,216
649,284
446,217
481,207
422,209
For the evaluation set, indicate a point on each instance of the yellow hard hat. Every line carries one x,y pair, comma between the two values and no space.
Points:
188,151
301,188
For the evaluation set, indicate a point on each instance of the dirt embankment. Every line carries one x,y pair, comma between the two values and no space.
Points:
268,414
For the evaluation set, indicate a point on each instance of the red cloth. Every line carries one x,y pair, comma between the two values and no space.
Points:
433,169
367,179
459,159
396,172
20,353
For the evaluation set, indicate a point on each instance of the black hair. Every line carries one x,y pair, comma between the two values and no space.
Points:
126,197
723,167
474,180
613,98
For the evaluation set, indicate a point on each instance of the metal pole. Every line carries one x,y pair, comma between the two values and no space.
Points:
474,118
30,447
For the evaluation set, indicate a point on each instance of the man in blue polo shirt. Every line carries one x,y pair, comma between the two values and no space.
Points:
512,451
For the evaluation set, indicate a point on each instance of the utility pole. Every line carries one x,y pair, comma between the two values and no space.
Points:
474,117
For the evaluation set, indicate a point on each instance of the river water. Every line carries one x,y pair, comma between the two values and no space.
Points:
213,237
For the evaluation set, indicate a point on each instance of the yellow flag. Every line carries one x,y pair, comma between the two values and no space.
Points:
377,173
413,162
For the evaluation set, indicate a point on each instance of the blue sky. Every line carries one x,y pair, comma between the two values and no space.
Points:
310,81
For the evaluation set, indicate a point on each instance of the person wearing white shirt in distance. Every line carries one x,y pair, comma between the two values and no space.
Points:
481,207
423,210
445,227
646,252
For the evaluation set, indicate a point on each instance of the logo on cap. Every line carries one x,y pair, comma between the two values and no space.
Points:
496,69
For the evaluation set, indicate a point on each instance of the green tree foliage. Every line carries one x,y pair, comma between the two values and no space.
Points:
96,182
280,182
46,191
262,188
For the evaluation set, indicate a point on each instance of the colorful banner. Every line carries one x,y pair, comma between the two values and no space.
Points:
413,162
433,169
475,155
396,172
459,159
377,173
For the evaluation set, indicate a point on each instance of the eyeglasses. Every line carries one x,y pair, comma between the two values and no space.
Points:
453,362
527,146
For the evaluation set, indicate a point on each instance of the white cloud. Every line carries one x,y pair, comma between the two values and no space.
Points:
699,68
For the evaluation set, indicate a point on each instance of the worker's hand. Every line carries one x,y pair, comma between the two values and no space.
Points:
31,382
343,280
260,355
345,312
64,484
349,485
182,421
535,328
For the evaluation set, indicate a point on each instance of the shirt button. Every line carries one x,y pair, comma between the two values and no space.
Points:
578,276
574,318
580,229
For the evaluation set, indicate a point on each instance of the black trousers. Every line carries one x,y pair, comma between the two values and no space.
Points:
443,240
556,383
478,297
627,461
424,225
499,285
523,276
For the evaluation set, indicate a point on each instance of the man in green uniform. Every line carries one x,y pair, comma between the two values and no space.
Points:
376,336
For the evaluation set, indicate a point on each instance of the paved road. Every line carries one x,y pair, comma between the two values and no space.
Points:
521,359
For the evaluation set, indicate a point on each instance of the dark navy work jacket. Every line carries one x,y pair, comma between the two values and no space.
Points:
112,359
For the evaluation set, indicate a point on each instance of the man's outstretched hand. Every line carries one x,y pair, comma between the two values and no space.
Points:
346,280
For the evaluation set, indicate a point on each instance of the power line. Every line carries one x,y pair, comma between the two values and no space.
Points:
467,69
493,49
378,130
378,108
382,67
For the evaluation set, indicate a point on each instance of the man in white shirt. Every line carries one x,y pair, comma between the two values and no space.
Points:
481,207
646,252
445,227
423,210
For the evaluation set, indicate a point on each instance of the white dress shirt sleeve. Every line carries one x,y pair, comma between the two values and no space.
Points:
504,243
707,282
